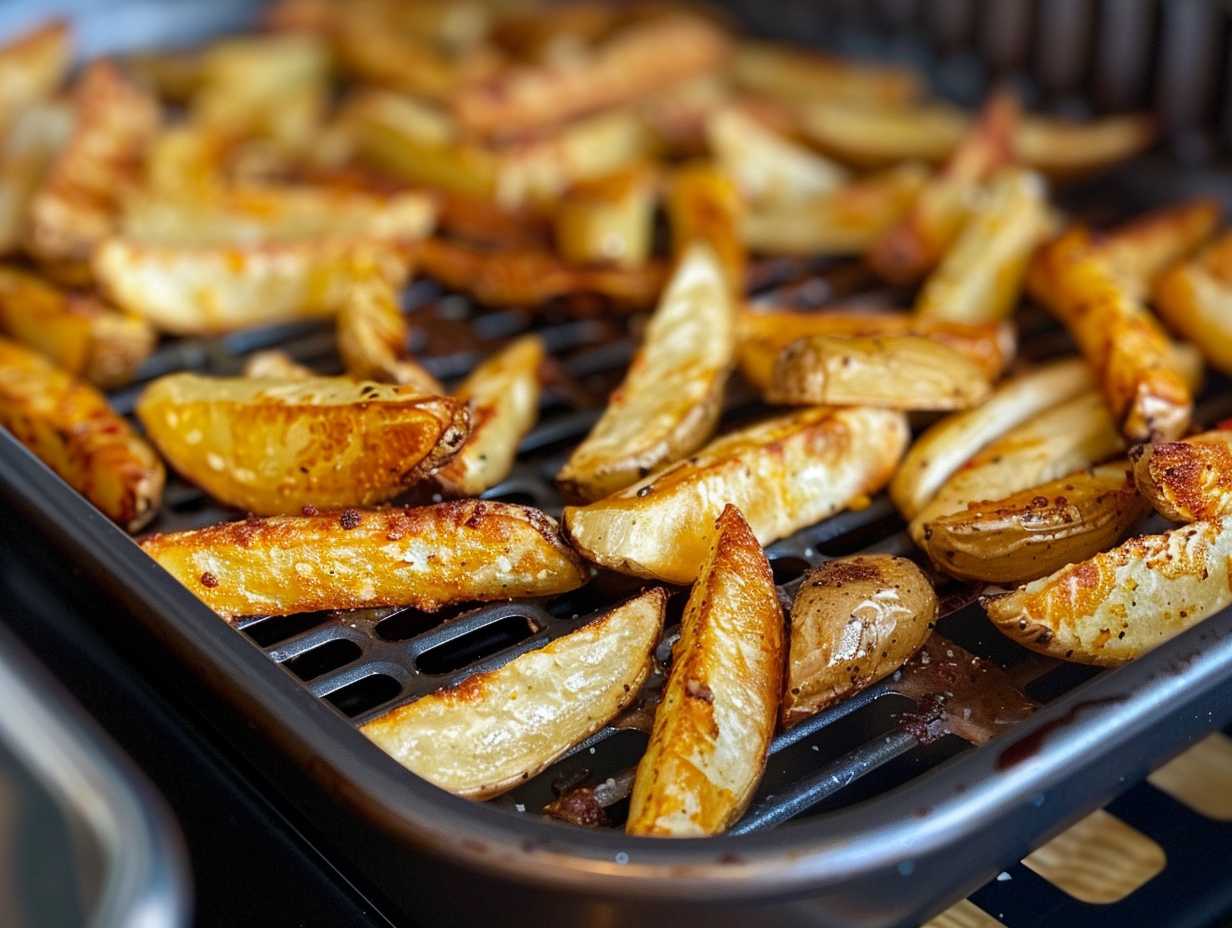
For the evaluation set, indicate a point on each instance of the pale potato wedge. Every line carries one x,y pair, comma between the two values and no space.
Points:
872,136
672,394
713,728
1195,300
801,75
1187,480
846,220
275,365
1036,531
948,444
427,557
373,335
173,76
980,277
891,371
1120,604
1132,355
786,473
1062,440
766,332
497,729
214,289
609,220
69,425
27,152
1061,148
275,446
32,66
1141,250
855,621
504,395
78,332
703,205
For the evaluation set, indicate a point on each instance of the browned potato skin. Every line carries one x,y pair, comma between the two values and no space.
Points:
373,335
1195,300
426,557
896,371
69,425
713,728
1120,604
276,365
32,67
1141,250
703,204
855,620
275,446
1147,395
1187,480
1032,533
497,729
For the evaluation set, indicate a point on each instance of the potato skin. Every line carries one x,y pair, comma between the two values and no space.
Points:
1122,603
783,474
69,425
426,557
713,728
497,729
275,446
1039,530
855,620
1187,480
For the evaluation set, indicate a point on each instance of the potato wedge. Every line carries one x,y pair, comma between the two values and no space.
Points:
213,289
786,473
1064,439
69,425
980,277
1147,395
275,446
27,152
703,205
672,395
891,371
802,75
1120,604
77,332
1187,480
373,336
1065,149
186,162
609,220
855,621
275,365
32,66
1139,251
504,395
497,729
426,557
950,443
764,333
713,728
1034,532
1195,299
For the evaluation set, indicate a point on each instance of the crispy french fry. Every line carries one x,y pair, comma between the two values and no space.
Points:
608,220
671,397
713,728
32,66
1120,604
1187,480
786,473
426,557
1147,395
504,395
275,446
1195,299
499,728
373,335
1141,250
892,371
703,205
69,425
802,76
27,152
275,365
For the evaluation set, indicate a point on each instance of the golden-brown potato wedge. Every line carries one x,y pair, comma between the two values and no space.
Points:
274,446
980,277
275,365
1147,395
1064,439
426,557
764,333
609,220
1120,604
855,621
672,395
892,371
373,335
801,75
1032,533
786,473
27,152
504,395
713,728
846,220
213,289
77,332
497,729
32,67
69,425
703,205
1195,300
1141,250
949,444
187,162
1187,480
